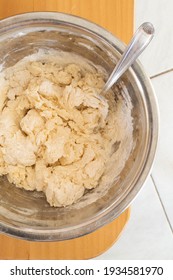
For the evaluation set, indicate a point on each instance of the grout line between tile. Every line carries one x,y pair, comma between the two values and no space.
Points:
161,73
162,204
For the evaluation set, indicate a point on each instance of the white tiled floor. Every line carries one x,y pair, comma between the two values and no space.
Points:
163,167
158,57
149,233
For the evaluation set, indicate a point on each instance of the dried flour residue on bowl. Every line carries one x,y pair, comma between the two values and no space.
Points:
56,135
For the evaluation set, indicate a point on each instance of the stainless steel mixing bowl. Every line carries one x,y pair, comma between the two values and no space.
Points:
27,214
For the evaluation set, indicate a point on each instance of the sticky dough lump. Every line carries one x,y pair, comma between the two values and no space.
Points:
56,134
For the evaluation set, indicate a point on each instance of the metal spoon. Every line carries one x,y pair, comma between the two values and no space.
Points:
138,43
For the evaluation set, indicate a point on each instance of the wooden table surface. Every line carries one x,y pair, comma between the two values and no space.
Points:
114,15
117,17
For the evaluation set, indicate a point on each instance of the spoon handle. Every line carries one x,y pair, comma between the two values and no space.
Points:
138,43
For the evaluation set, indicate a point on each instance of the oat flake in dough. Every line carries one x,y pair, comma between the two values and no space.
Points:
56,135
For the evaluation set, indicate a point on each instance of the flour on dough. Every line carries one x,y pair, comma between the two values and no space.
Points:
56,134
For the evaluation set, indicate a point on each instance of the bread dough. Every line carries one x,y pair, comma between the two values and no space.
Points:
57,135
